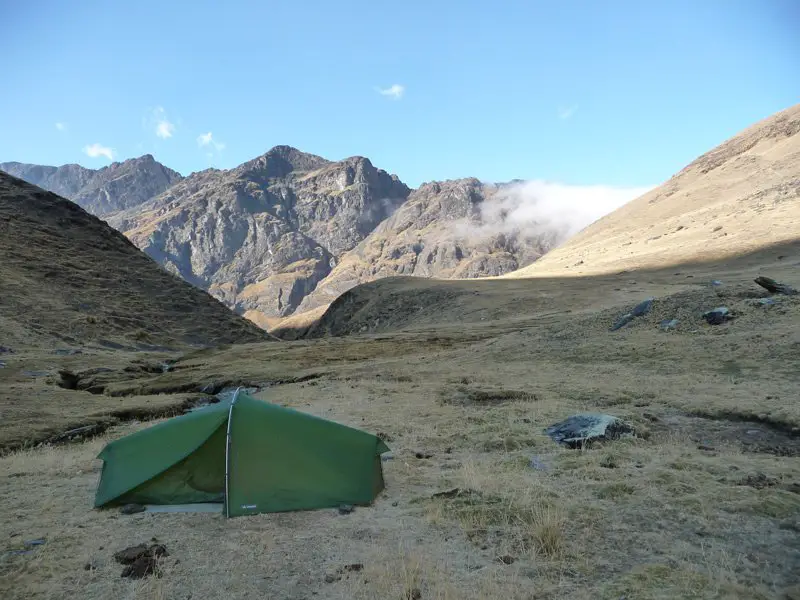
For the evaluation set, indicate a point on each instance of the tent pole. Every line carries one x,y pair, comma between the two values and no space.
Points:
228,454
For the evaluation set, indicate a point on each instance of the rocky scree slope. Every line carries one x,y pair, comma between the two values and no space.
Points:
66,275
119,186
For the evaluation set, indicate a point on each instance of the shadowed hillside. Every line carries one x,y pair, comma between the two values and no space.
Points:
68,276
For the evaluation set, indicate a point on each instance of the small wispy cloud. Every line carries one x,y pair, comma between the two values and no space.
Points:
163,127
395,91
567,112
61,126
97,150
207,140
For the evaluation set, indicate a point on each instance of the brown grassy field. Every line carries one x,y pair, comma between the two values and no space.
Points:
703,503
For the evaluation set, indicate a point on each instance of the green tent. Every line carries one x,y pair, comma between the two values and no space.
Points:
248,455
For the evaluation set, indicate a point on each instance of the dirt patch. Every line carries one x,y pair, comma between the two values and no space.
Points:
141,560
465,395
749,436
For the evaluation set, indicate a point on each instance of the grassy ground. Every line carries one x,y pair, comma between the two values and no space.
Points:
703,503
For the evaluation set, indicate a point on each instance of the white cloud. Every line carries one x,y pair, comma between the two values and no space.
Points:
533,207
61,126
97,150
164,129
566,112
396,91
207,139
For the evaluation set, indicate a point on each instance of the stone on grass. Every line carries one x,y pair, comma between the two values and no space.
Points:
578,430
717,316
639,310
774,287
668,324
132,509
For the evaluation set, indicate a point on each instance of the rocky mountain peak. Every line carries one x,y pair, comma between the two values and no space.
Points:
118,186
279,162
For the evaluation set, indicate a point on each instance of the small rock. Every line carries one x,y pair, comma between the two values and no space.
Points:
718,315
2,364
332,577
395,503
706,447
423,455
622,321
639,310
346,509
716,282
67,351
413,594
36,542
387,456
578,430
6,350
650,417
131,509
643,307
765,301
507,559
668,324
774,287
354,567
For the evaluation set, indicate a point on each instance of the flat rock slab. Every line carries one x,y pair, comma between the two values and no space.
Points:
639,310
775,287
578,430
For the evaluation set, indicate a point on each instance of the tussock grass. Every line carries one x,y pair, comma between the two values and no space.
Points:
667,515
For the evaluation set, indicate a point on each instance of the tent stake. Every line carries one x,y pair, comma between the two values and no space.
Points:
228,454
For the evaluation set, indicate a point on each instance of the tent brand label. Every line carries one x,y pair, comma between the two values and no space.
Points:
248,506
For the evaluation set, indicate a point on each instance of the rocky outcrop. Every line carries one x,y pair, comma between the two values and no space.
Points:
119,186
262,236
441,231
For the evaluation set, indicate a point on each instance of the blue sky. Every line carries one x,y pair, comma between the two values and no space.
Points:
613,93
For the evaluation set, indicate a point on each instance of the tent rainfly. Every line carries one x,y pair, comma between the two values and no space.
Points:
249,455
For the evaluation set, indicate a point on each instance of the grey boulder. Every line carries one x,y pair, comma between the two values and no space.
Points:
578,430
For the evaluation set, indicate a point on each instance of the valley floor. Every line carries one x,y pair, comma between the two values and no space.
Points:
703,503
